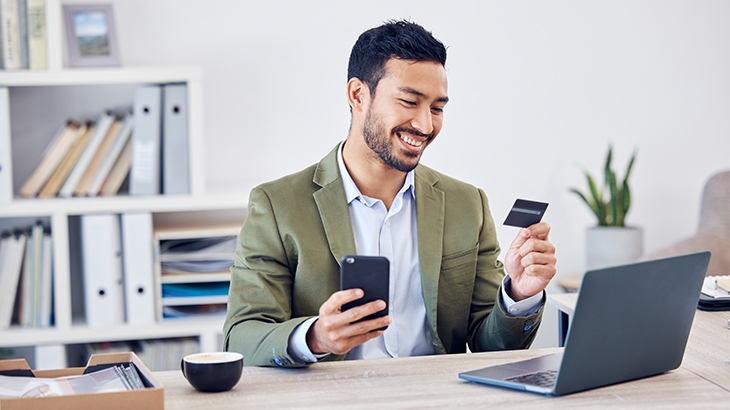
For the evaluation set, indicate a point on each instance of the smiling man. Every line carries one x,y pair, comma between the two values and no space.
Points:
370,196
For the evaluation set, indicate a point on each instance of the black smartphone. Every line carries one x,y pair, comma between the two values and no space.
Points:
369,273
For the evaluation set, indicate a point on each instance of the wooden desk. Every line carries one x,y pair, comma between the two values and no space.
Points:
431,382
708,347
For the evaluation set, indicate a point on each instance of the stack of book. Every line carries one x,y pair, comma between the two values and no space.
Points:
23,35
84,159
26,279
148,150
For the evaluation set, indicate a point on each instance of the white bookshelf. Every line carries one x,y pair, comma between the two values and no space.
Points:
41,100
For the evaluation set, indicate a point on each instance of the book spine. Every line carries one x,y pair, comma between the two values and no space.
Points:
23,32
37,41
10,34
100,130
114,151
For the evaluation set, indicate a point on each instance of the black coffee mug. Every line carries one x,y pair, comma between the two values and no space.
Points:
212,372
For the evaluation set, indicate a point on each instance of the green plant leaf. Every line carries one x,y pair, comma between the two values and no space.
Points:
607,167
596,195
611,202
625,201
590,204
629,167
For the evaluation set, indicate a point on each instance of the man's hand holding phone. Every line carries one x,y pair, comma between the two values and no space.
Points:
358,312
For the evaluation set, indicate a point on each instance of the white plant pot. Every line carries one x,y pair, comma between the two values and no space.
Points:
610,246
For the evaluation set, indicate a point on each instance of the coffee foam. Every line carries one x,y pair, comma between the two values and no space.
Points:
215,357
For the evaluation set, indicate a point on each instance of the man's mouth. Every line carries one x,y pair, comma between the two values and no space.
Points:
410,141
406,135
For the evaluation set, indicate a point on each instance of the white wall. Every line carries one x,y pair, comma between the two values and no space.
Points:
538,90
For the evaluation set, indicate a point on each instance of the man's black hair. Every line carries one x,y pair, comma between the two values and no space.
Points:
394,39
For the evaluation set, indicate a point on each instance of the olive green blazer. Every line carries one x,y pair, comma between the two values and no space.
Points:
297,230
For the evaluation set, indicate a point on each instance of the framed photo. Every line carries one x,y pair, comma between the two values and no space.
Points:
91,35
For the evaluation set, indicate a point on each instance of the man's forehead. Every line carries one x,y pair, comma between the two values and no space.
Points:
419,78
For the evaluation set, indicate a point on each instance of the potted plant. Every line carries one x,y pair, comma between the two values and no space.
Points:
610,242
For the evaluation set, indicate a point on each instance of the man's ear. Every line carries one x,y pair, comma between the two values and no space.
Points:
358,94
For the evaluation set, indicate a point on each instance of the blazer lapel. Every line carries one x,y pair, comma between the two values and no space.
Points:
430,220
332,205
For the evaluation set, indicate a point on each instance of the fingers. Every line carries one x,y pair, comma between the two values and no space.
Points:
329,337
536,246
337,331
335,302
540,230
537,258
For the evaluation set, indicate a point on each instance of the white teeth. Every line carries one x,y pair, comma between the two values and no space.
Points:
410,141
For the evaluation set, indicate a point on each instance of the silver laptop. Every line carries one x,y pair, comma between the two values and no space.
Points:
630,321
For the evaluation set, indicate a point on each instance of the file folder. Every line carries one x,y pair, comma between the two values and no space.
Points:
138,268
146,141
101,253
175,146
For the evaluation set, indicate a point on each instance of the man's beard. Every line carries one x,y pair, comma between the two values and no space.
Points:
377,139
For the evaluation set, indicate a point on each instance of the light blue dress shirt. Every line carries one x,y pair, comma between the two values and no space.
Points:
393,233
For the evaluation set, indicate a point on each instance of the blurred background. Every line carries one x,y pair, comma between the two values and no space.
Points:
539,90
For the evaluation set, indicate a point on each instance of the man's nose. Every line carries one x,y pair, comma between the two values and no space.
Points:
423,121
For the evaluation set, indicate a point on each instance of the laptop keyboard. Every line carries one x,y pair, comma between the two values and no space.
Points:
544,378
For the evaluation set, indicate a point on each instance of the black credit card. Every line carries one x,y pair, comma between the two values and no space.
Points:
525,213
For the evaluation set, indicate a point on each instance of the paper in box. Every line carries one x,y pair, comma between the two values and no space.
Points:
152,397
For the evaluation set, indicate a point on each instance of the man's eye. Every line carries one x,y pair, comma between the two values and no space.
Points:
437,109
408,102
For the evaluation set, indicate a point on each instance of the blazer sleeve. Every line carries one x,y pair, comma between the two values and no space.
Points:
259,318
490,326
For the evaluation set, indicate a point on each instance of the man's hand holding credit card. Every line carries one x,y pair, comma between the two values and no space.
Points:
530,259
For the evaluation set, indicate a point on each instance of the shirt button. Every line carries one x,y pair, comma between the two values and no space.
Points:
513,310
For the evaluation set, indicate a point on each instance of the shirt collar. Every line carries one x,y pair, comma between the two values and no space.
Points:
352,192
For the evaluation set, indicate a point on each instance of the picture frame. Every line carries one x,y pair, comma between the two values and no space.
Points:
91,37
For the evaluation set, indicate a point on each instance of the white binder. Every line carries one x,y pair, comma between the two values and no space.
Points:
145,173
175,146
6,180
138,268
101,252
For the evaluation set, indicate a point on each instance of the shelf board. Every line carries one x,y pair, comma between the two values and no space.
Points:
112,75
119,204
14,337
196,277
195,300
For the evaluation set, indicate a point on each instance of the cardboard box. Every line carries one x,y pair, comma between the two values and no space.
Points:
152,397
